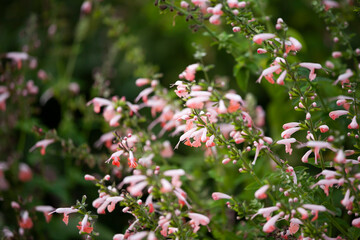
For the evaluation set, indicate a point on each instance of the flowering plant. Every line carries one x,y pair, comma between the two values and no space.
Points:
200,159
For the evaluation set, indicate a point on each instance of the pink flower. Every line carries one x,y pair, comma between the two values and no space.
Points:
165,186
184,4
356,222
295,44
89,177
316,209
330,4
268,73
3,96
317,145
98,103
66,212
25,221
281,78
337,113
25,172
259,38
142,82
287,142
347,202
132,160
288,132
109,203
197,102
324,128
304,159
18,57
336,54
340,157
115,157
237,29
86,7
198,219
232,3
290,125
303,212
311,67
261,192
270,224
266,212
219,195
144,94
46,210
294,225
325,184
329,64
189,73
353,124
344,78
42,144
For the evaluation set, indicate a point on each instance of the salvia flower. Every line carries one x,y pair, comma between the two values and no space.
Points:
270,224
287,142
46,210
337,113
66,212
98,103
259,38
261,192
353,124
42,144
219,195
198,219
311,67
344,78
189,73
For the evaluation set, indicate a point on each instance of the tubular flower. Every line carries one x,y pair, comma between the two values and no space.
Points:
115,157
315,208
84,225
287,142
66,212
344,78
288,132
261,192
266,212
337,113
259,38
189,73
353,124
198,219
219,195
311,67
25,221
46,210
98,103
324,128
356,222
132,160
270,224
347,202
42,144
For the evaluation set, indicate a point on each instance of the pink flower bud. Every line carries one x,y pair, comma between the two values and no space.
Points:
336,54
89,177
236,29
218,195
86,7
324,128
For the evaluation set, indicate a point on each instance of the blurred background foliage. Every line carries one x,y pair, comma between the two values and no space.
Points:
104,52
